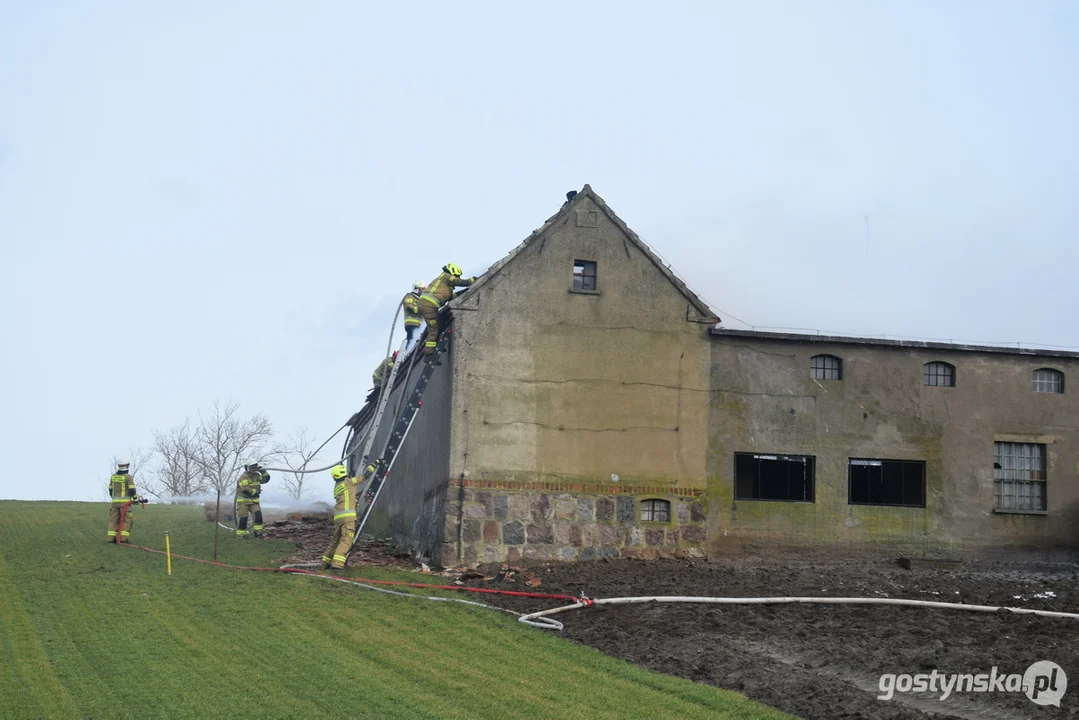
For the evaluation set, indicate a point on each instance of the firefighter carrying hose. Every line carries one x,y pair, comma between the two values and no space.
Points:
122,492
344,517
438,293
248,490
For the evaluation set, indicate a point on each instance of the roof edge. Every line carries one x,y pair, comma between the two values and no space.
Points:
884,342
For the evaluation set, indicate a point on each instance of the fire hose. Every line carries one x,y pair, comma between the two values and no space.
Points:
543,620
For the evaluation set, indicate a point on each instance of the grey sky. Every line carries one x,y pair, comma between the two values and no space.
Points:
225,199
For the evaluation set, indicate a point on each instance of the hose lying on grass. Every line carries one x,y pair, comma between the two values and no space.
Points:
370,584
542,619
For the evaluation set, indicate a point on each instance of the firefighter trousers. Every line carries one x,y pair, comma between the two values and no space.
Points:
245,509
434,325
114,521
337,550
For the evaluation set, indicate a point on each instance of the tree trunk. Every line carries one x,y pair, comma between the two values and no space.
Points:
217,523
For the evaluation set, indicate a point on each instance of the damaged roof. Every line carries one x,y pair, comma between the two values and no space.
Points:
586,192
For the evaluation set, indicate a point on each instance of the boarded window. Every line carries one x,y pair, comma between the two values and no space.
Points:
774,477
886,482
1019,476
1048,380
584,275
656,510
825,367
939,374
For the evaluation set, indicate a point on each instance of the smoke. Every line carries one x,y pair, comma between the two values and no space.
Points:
270,500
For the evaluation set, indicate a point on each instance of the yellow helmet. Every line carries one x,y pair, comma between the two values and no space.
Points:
453,269
338,472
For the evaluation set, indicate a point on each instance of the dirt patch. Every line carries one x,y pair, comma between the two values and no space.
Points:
825,661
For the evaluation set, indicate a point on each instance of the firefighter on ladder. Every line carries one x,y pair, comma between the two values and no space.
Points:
383,370
122,492
344,517
411,304
248,489
438,293
380,374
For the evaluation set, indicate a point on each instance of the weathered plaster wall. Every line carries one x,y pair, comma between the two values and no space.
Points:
764,401
588,389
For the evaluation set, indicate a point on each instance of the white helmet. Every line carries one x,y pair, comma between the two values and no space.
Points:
123,462
418,285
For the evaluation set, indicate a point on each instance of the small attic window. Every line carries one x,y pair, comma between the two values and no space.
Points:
584,275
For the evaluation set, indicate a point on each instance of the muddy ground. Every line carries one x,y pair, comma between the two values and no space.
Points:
816,661
825,661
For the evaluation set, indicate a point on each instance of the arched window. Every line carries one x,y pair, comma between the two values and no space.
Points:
1048,380
939,374
825,367
656,510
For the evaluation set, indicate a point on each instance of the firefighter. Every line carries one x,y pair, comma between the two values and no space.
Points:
344,517
122,492
438,293
248,490
412,311
383,370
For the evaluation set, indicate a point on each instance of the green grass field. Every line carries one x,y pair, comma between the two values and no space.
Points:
92,630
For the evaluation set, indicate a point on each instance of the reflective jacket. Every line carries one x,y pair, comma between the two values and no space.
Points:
249,486
381,371
344,495
122,488
412,310
441,288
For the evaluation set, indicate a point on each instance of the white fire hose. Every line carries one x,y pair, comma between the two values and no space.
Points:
542,619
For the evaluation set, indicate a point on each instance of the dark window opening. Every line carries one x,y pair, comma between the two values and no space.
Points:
656,510
1048,380
886,482
584,275
825,367
773,477
1019,476
939,374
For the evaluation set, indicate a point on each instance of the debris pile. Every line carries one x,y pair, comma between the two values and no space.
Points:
507,574
210,508
311,531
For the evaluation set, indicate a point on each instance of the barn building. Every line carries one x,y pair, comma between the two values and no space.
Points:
608,414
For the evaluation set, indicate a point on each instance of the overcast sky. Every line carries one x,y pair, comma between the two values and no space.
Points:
204,200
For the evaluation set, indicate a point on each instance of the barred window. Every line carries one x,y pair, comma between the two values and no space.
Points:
1019,476
825,367
774,477
939,374
1048,380
656,510
886,482
584,275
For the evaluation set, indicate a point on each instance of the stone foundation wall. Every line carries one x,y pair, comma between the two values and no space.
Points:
504,525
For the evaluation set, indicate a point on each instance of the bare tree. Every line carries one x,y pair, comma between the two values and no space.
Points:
296,455
178,474
224,442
